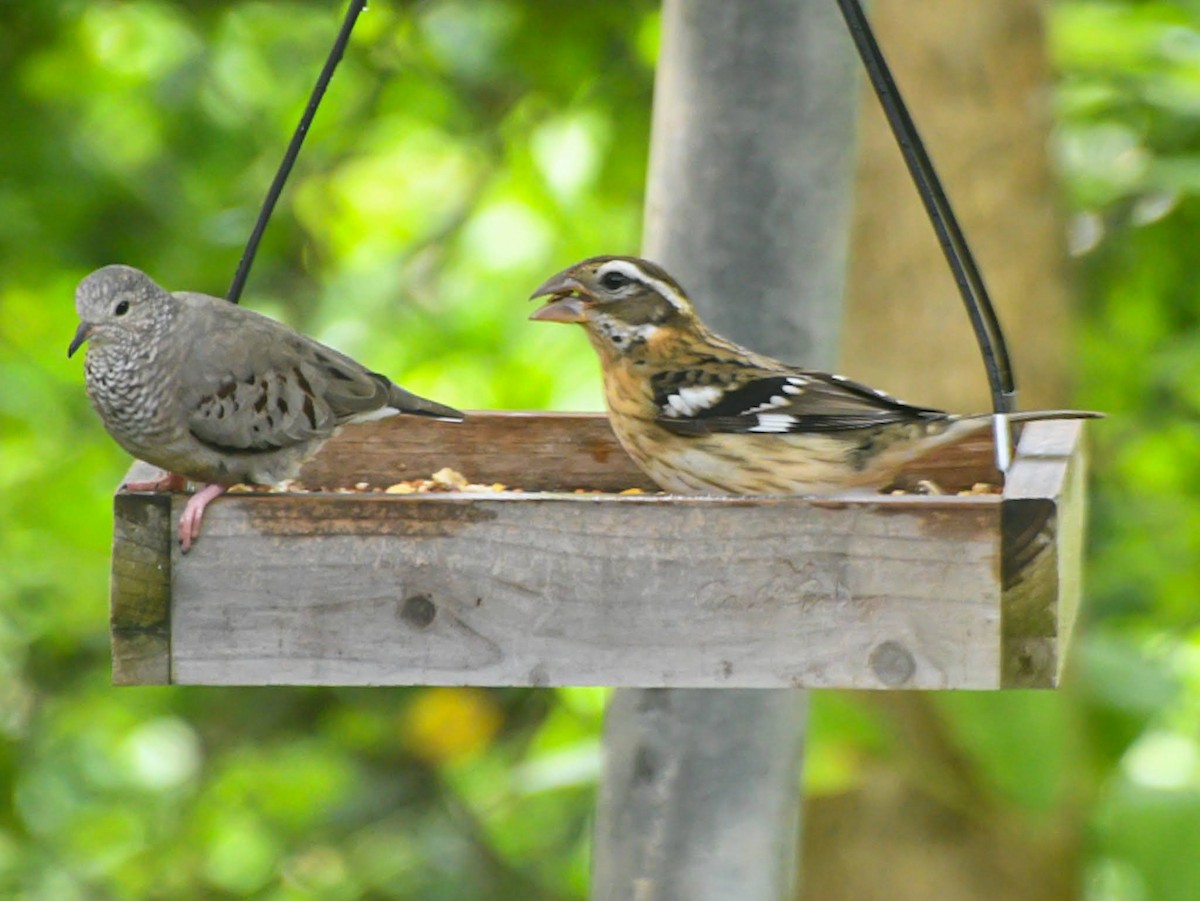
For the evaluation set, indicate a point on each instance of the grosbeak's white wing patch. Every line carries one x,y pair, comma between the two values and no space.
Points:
774,422
691,400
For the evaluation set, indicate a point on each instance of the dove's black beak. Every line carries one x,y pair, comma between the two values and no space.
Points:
81,334
569,299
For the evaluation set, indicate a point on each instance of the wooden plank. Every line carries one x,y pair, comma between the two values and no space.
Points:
1072,525
1041,548
554,590
532,451
551,588
546,452
139,612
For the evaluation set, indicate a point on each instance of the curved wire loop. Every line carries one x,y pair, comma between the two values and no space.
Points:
954,245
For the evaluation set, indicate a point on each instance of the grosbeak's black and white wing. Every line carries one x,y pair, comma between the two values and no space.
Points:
702,401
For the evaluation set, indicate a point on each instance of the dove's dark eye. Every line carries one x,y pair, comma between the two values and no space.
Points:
614,280
121,308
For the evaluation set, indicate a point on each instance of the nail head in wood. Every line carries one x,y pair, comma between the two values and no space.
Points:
418,611
892,663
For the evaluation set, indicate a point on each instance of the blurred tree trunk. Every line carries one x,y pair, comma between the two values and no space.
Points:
927,824
748,203
977,79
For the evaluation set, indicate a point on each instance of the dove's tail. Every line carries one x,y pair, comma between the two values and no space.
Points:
407,402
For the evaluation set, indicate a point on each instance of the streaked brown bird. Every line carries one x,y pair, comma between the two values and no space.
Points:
701,414
215,393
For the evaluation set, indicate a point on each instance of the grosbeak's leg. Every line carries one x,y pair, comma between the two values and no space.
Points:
193,514
169,481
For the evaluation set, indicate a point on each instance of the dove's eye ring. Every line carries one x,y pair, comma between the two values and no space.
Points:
121,308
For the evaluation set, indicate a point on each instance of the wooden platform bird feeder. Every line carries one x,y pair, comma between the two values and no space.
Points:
549,587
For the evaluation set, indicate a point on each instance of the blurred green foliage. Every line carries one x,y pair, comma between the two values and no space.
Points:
1129,141
467,148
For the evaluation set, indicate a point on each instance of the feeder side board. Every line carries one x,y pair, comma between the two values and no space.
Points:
1073,518
547,452
1041,546
531,451
536,591
140,605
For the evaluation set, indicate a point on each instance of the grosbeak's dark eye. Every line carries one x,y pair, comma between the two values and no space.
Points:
614,281
121,308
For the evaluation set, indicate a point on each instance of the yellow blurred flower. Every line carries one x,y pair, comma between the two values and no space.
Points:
446,724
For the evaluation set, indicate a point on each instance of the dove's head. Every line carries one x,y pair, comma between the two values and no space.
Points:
118,305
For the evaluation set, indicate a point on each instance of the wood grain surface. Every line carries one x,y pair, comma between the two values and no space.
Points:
555,588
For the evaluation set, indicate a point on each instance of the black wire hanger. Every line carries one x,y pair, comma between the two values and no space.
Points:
954,244
293,149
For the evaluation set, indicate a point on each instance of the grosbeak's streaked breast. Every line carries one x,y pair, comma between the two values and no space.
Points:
701,414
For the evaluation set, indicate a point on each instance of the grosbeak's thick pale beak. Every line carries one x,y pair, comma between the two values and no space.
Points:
81,334
565,305
563,309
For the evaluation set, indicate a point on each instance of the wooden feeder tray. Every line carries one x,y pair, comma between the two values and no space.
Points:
549,587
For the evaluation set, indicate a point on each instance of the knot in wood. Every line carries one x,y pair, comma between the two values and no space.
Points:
418,611
892,663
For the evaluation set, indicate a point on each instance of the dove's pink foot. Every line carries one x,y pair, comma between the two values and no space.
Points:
193,514
169,482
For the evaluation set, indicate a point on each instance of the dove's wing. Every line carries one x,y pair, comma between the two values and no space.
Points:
256,385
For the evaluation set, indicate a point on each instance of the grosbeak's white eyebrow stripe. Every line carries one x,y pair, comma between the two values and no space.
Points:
635,273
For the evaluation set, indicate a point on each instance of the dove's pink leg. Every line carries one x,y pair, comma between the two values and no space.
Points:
193,514
169,482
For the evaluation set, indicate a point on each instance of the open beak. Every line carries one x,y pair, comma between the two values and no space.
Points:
81,334
568,300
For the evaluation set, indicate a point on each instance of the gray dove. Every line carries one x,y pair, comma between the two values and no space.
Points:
215,393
